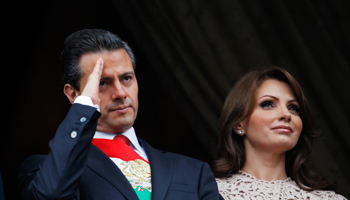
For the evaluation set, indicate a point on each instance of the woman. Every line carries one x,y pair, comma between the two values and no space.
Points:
265,138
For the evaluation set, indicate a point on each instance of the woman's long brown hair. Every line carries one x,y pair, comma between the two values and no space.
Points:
239,105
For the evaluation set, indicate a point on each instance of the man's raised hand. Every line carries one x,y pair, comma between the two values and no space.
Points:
91,88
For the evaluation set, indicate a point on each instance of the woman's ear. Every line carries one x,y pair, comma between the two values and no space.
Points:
70,92
239,129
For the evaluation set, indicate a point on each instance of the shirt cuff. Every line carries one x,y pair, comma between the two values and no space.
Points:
84,100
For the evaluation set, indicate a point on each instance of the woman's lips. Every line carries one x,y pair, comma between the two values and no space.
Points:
285,129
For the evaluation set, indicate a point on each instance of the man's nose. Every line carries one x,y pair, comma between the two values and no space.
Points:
118,91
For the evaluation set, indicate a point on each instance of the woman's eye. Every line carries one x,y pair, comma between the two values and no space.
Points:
294,108
266,104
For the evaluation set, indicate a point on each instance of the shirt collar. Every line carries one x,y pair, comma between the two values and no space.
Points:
130,134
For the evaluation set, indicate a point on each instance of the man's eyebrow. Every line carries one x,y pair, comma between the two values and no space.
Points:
121,75
127,73
105,78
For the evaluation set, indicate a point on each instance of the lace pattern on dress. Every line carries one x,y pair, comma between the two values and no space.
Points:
246,186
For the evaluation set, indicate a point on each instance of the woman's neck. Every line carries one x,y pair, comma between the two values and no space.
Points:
265,166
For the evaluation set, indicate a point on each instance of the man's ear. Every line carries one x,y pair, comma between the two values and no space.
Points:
70,92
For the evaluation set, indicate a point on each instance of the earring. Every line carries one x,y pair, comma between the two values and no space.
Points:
240,132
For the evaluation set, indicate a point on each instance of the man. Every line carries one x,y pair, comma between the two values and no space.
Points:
98,72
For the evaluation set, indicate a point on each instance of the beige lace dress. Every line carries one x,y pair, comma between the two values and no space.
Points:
246,186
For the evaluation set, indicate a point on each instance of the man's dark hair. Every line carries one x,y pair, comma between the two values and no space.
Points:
83,42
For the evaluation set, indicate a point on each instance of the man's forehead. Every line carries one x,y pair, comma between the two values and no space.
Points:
90,58
111,59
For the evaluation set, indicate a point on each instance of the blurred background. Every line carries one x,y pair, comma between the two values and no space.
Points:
189,54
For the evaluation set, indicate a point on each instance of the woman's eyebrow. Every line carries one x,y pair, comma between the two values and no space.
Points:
267,95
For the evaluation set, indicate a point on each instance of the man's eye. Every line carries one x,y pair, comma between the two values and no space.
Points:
127,78
266,104
102,83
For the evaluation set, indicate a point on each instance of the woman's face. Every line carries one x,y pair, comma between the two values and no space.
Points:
274,124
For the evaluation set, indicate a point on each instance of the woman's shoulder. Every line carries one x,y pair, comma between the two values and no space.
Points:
326,194
243,185
292,187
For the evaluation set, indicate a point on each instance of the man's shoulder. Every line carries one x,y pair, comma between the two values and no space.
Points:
30,164
34,159
180,157
176,158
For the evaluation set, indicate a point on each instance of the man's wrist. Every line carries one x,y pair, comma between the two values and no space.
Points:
85,100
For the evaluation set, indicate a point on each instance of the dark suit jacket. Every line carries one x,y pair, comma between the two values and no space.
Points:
76,169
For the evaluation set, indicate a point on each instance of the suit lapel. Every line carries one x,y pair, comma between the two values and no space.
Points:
102,165
161,170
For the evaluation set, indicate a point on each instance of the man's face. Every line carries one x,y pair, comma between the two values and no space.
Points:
118,89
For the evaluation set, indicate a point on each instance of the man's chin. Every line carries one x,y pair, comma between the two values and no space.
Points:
117,129
113,127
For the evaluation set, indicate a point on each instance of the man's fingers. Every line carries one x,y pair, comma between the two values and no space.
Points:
98,67
95,76
91,88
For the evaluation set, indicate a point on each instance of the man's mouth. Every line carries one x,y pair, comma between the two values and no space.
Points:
120,109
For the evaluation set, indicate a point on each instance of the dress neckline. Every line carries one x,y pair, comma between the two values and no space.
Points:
263,181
